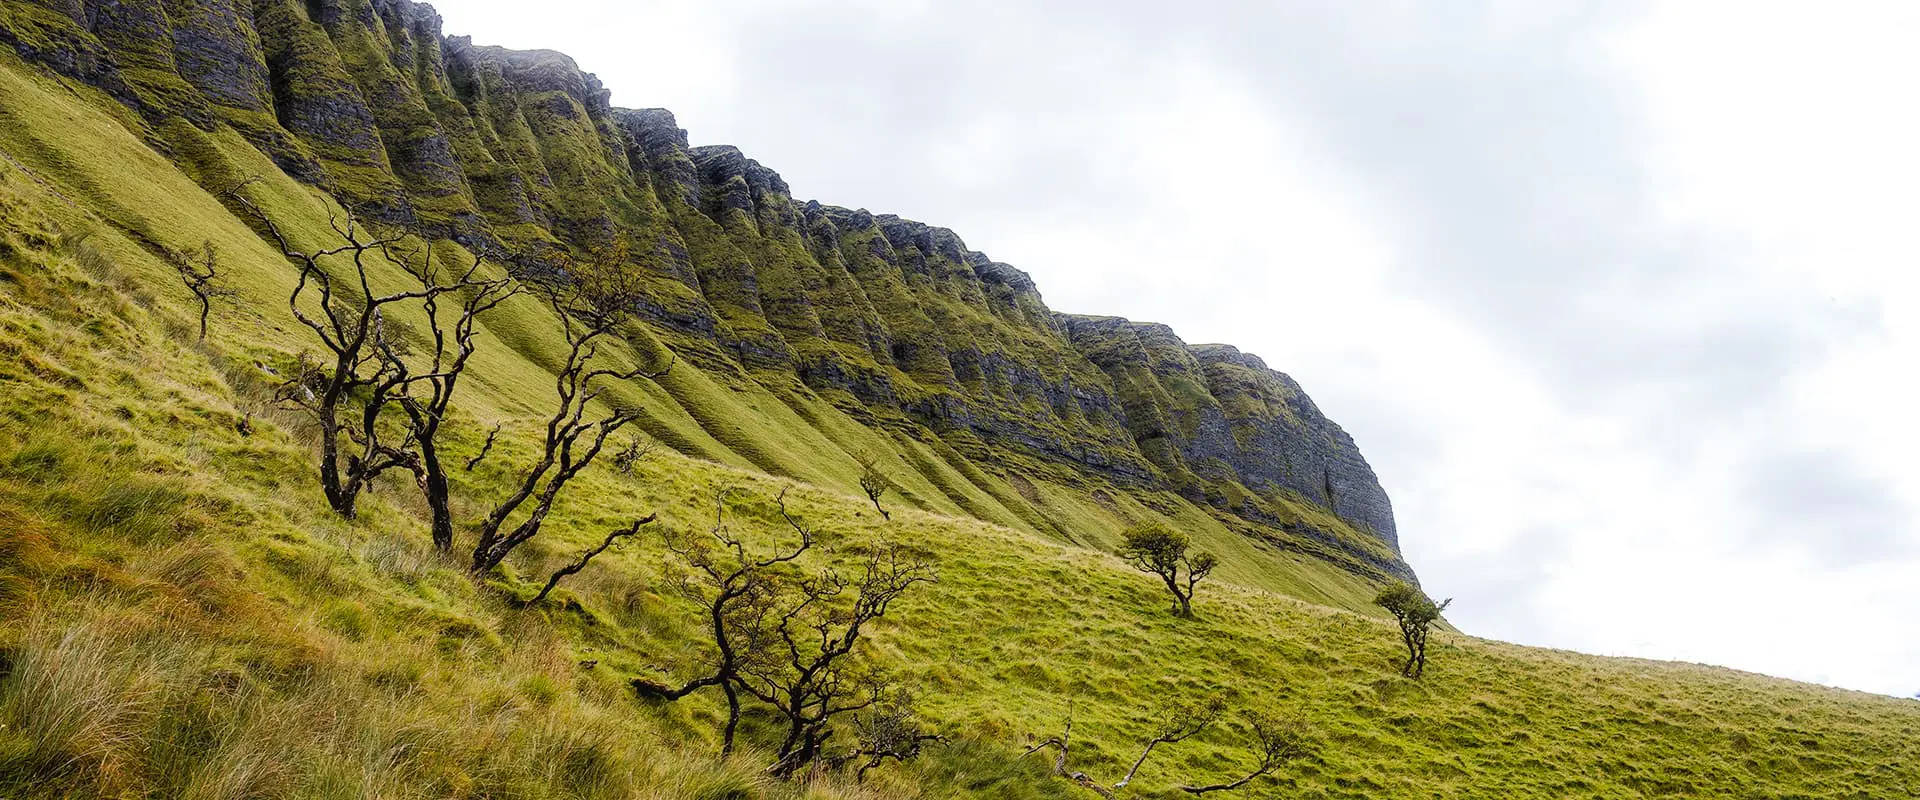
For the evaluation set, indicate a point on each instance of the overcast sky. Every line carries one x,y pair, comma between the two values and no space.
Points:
1619,300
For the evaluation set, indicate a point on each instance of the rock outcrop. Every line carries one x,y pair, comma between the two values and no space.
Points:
895,321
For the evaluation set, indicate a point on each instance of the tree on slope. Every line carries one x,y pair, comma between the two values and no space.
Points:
592,305
1416,613
1159,550
1278,740
873,482
349,389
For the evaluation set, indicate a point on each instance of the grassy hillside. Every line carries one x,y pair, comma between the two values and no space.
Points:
180,617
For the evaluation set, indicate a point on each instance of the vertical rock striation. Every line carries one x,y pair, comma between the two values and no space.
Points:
895,321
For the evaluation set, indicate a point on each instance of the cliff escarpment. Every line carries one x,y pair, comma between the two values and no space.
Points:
896,324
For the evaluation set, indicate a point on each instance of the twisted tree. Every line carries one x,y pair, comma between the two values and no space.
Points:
591,308
873,482
1278,741
613,537
427,395
200,271
1162,551
889,730
346,394
734,589
1416,613
810,674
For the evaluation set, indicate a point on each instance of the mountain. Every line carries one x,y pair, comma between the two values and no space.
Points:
181,615
895,323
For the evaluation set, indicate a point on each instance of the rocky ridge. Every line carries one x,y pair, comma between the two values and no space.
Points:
895,321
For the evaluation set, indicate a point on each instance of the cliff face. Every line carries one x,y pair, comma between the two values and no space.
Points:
894,321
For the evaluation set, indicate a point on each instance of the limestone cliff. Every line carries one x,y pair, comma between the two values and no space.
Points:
896,322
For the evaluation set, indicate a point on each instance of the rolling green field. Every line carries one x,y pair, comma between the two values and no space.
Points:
181,617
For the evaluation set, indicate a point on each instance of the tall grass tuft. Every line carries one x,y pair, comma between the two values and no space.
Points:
83,697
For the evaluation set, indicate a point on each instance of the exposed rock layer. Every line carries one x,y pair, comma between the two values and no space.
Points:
893,319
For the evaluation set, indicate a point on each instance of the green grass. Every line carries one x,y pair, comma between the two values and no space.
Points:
179,617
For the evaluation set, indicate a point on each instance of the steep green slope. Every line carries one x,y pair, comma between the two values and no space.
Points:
179,617
842,316
184,619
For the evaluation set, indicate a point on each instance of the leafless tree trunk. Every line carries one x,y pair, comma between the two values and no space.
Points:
484,448
427,396
1279,741
200,271
581,563
813,678
571,441
350,321
734,588
873,483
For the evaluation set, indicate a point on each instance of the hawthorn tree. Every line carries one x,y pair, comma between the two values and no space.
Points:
614,537
426,395
734,589
1277,741
1159,550
347,393
1416,613
873,482
591,305
890,729
200,271
787,638
811,675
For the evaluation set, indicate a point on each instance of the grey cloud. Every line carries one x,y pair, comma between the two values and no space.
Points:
1499,150
1826,505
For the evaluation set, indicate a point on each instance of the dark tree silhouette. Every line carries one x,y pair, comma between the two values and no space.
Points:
891,729
1416,613
591,307
635,452
578,564
1160,550
426,394
810,674
200,271
735,589
485,448
347,396
873,482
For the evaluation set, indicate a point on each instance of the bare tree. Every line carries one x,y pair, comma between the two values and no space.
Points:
635,452
1174,721
873,482
427,395
613,537
200,271
734,588
1163,551
485,448
1062,744
889,730
347,397
1416,613
591,308
811,675
1280,740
